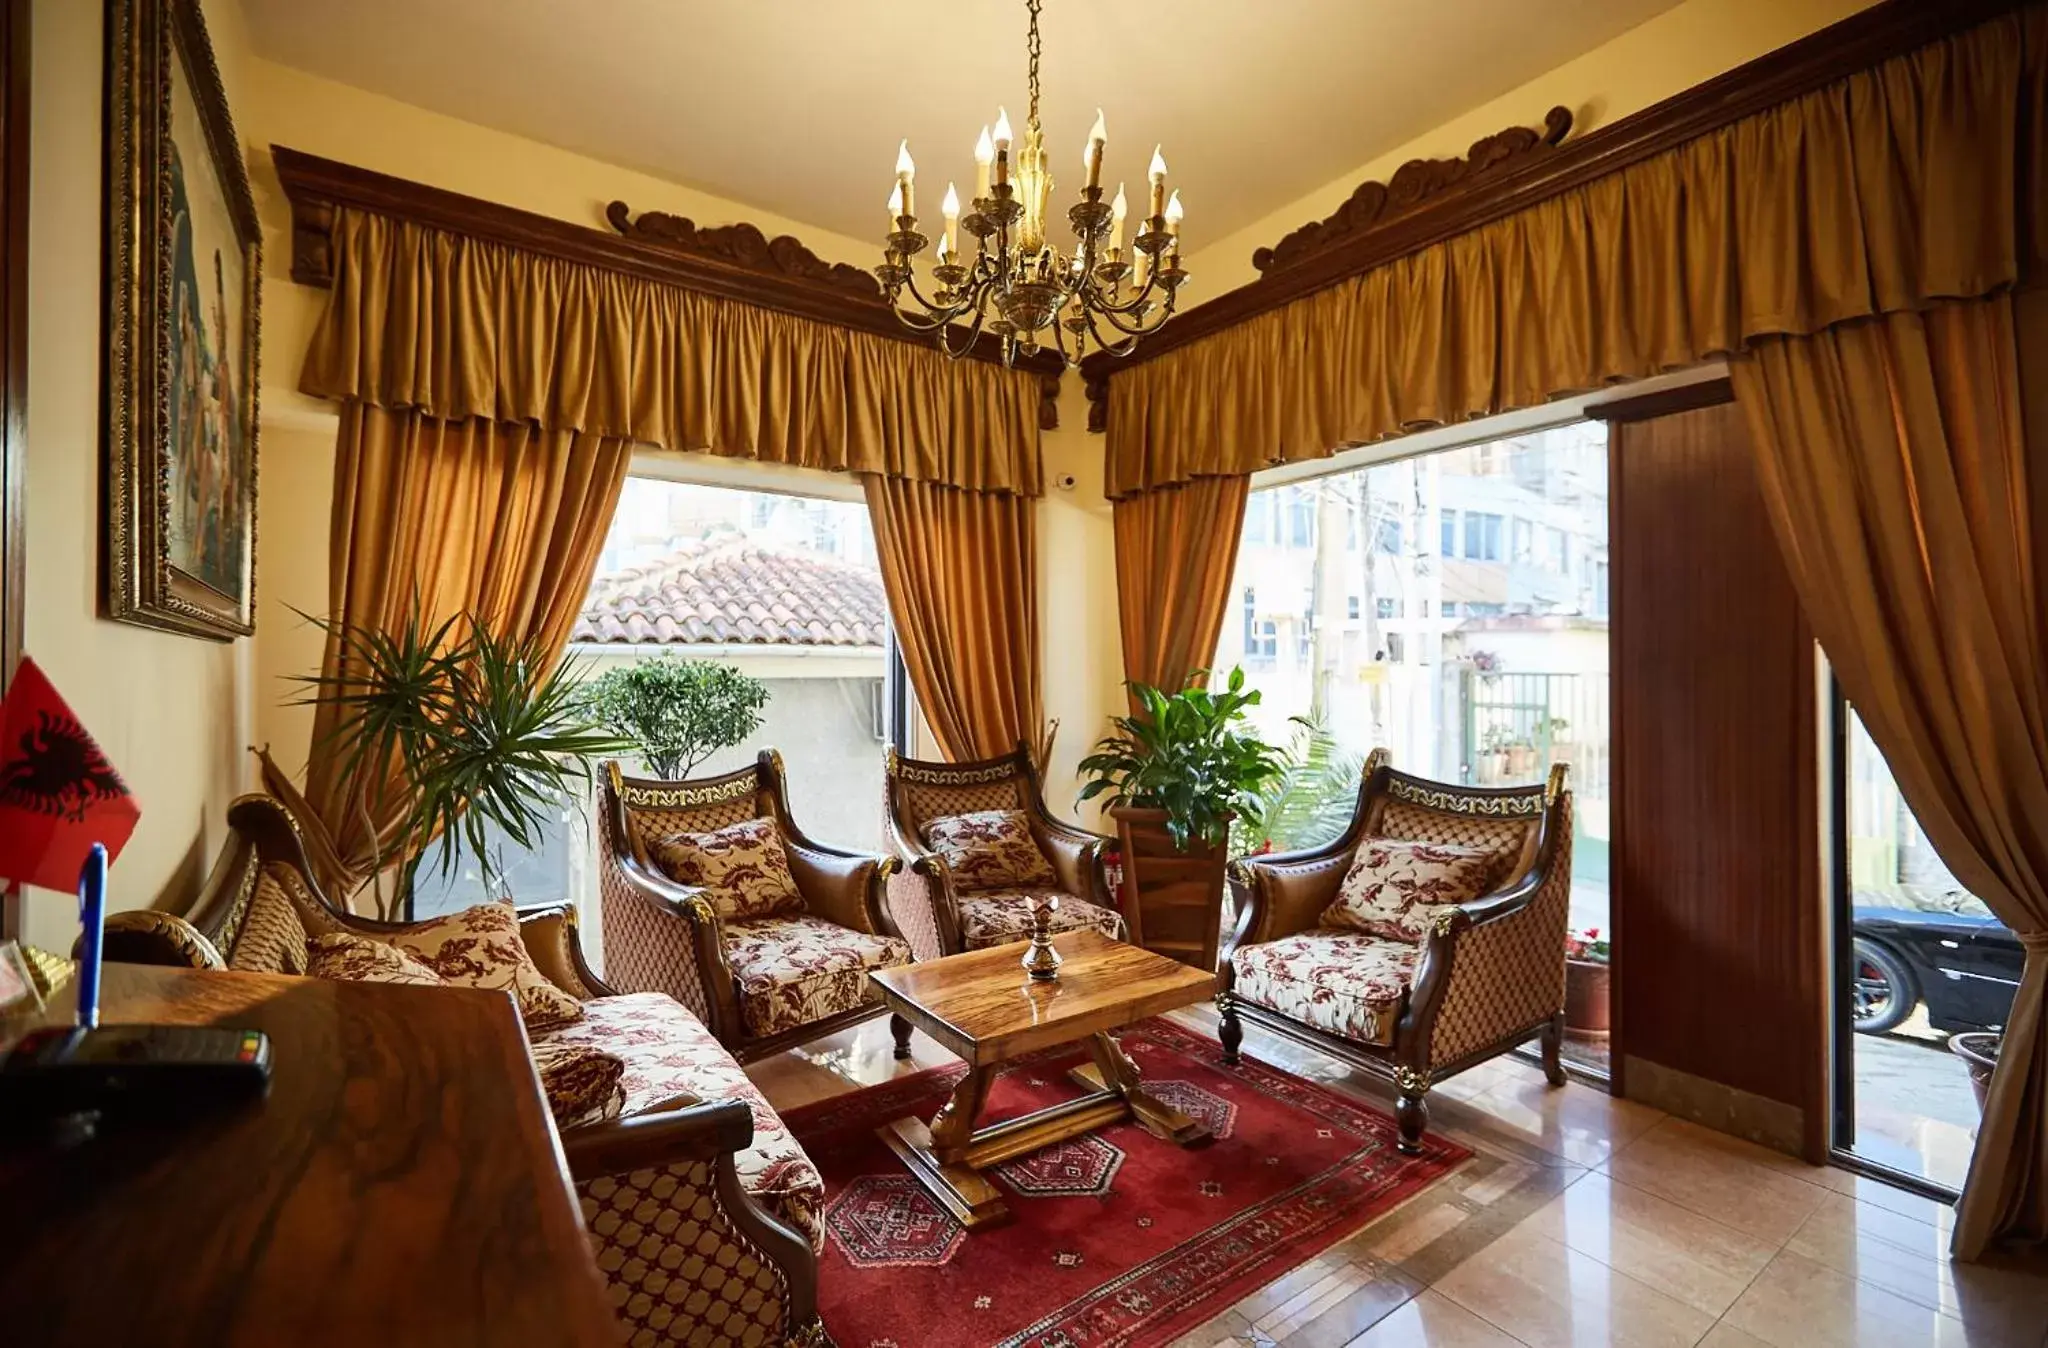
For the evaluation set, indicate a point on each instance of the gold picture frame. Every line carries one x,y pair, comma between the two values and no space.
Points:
183,332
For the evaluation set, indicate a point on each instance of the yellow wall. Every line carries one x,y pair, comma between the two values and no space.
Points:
288,107
1672,52
171,712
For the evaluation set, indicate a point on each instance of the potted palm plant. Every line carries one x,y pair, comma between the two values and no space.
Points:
454,736
1174,777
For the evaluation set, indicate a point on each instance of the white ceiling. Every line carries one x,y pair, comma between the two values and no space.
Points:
796,106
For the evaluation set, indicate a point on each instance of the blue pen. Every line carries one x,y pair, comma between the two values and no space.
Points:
92,916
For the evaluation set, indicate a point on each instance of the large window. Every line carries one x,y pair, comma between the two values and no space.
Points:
784,588
1923,961
1470,664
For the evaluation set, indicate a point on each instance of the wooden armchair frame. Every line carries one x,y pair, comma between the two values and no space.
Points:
665,937
1076,853
695,1145
1491,973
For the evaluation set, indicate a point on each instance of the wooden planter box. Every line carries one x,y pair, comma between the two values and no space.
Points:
1586,998
1172,900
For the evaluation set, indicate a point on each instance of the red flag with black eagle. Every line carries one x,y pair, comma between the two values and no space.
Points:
58,793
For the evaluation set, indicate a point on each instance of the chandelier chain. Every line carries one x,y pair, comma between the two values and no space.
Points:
1035,48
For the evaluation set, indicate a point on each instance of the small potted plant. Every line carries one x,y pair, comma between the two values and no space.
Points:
677,712
1586,975
1174,776
1979,1051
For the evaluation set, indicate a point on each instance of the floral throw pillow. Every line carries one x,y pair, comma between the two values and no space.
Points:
583,1084
1396,887
358,959
991,849
480,948
742,868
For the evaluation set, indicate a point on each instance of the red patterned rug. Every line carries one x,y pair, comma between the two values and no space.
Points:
1120,1240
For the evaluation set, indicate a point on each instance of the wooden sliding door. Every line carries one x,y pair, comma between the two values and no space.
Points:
1720,1002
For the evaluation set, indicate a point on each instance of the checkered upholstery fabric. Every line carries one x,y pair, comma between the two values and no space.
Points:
272,938
911,898
926,801
649,825
1502,835
1508,974
646,948
678,1271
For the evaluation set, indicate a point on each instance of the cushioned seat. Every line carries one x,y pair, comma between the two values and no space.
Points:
794,970
669,1054
995,916
1345,983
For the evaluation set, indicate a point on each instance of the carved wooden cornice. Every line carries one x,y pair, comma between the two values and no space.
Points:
735,262
744,246
1372,204
1858,42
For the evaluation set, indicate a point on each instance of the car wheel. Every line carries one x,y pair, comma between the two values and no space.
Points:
1883,993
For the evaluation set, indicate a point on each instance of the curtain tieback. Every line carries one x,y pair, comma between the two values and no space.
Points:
2033,942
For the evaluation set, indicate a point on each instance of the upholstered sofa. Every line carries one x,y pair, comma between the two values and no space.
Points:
702,1209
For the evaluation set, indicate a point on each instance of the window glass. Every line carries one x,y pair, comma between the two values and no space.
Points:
1928,961
787,590
1470,665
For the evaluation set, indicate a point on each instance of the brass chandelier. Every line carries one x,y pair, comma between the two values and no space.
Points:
1017,285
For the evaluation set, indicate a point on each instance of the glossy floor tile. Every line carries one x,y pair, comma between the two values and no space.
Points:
1581,1219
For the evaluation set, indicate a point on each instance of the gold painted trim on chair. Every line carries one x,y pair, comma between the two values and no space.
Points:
673,797
1000,772
1459,802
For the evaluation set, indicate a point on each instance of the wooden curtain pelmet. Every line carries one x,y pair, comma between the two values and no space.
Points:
1260,400
715,340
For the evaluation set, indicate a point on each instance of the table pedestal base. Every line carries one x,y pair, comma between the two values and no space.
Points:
948,1155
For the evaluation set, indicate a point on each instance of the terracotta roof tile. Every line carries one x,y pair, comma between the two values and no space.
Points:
729,592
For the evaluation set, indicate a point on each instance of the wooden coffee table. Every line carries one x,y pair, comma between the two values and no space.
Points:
983,1007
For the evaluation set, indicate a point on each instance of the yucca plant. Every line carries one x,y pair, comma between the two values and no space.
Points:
1184,753
1309,801
459,730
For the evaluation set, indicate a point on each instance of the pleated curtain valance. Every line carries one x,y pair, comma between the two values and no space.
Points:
1917,180
458,328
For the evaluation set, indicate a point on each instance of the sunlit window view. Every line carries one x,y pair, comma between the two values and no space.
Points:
1452,607
786,591
1933,975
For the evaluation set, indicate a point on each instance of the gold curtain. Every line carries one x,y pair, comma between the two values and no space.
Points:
1907,183
464,330
1176,549
498,520
1907,477
961,572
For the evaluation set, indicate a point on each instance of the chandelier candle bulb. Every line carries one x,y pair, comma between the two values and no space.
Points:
1091,157
984,155
1118,210
951,208
1157,173
1173,215
906,177
1003,138
895,208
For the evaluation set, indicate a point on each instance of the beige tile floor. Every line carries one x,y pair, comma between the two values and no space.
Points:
1583,1219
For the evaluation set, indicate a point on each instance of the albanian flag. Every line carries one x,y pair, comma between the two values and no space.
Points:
58,793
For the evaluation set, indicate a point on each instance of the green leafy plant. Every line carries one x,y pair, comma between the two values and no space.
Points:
1309,801
677,712
1183,753
461,731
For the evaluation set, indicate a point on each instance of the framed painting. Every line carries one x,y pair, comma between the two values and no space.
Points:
184,276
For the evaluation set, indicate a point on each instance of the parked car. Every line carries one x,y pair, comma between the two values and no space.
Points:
1965,966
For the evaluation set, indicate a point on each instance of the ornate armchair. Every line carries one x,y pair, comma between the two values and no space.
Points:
1485,975
762,983
719,1185
951,911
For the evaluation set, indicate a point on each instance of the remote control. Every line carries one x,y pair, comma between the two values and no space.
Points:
132,1070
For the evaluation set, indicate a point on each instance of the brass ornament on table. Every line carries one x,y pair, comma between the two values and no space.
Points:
1041,960
1015,285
